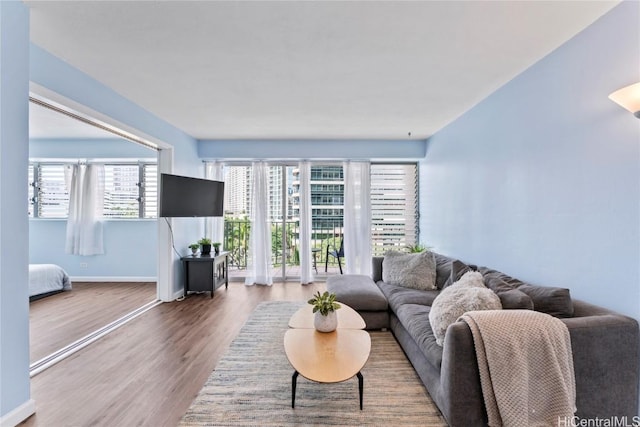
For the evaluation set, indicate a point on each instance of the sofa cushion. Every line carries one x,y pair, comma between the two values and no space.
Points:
443,269
467,294
415,319
399,295
510,297
551,300
515,299
415,271
358,292
458,269
546,299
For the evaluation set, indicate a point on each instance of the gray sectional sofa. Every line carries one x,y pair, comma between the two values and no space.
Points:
605,344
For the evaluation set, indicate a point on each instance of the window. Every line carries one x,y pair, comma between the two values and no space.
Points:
121,191
394,206
130,190
50,196
149,190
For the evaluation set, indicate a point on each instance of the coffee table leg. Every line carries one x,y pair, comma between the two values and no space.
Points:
360,387
294,380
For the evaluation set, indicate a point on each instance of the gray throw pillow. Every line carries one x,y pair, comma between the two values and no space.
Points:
467,294
510,297
546,299
458,269
550,299
415,271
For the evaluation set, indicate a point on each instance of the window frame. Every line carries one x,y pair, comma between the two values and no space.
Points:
35,185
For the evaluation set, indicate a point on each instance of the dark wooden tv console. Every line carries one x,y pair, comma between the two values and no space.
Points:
205,273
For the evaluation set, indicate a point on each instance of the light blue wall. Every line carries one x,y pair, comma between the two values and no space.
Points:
312,149
19,63
130,249
88,148
14,137
130,245
542,179
48,71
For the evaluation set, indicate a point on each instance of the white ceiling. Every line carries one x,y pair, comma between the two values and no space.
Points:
307,69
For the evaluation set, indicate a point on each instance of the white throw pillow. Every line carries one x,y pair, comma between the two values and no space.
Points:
416,271
467,294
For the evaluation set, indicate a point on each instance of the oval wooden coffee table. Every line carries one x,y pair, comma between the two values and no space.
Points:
327,357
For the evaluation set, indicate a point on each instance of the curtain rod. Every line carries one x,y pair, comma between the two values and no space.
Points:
91,122
120,161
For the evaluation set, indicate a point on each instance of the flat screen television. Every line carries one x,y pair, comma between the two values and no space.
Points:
183,196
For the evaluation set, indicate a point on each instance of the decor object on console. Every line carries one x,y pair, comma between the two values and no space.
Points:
628,98
324,307
194,248
216,247
205,242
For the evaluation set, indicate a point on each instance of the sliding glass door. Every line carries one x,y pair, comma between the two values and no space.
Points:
394,215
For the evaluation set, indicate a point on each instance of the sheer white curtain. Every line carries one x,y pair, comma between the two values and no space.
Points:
357,217
214,226
259,263
86,200
306,271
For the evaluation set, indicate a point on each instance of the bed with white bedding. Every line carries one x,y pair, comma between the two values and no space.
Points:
47,279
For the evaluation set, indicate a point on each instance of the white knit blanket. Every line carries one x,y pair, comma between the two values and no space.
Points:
526,366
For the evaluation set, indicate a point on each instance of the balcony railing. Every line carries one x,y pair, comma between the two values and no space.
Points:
285,246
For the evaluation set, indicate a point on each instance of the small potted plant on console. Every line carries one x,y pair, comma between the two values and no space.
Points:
324,307
216,247
205,243
194,248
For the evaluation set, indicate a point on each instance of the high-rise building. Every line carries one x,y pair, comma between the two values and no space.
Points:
327,199
236,191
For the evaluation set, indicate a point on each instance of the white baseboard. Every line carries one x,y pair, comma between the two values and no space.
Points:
113,279
19,414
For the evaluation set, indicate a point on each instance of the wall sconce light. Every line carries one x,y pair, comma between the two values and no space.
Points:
628,98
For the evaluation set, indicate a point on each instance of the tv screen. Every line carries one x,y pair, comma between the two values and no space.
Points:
183,196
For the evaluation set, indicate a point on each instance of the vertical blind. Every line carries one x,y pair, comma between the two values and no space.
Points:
394,206
51,198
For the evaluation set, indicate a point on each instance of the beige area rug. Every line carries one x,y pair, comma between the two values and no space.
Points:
251,386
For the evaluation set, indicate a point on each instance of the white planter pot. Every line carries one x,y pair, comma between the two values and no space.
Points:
327,323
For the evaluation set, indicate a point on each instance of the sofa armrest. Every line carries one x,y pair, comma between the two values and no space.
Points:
460,379
606,357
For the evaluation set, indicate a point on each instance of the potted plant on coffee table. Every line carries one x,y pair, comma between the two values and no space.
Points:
205,243
325,306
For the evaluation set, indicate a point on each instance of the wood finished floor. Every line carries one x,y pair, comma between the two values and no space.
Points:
58,320
148,372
